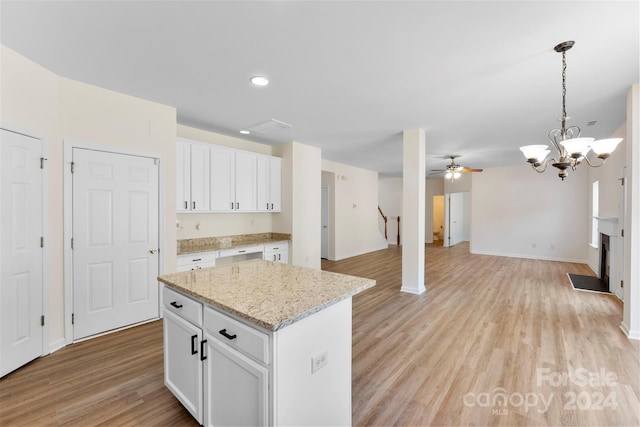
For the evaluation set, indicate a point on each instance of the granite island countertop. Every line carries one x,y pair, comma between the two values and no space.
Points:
206,244
268,294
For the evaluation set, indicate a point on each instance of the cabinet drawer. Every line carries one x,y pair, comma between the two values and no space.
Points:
241,251
237,335
183,305
278,246
198,258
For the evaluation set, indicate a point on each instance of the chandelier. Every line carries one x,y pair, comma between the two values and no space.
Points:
571,149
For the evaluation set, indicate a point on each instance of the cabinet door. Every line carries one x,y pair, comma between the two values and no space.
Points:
275,183
236,388
183,369
200,180
245,181
263,184
222,180
183,177
283,256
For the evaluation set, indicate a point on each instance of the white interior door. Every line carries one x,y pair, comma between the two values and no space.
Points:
324,222
115,240
456,218
21,228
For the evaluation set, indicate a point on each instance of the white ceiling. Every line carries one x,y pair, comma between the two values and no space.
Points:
480,77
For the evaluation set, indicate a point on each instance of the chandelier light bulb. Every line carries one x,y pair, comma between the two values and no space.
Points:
448,175
577,147
604,147
533,151
456,175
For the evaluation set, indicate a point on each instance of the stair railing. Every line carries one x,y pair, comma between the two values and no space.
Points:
384,217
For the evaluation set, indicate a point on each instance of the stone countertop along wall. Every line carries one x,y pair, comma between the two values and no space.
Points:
266,293
205,244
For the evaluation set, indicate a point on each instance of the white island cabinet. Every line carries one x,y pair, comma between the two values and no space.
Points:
273,342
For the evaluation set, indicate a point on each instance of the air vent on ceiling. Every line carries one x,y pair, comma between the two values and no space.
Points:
269,126
592,122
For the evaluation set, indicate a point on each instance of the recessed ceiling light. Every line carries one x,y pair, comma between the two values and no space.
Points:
245,132
259,80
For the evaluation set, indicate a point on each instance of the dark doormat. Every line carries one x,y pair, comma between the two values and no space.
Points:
588,283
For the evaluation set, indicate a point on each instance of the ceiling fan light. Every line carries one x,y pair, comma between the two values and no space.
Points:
605,146
577,147
533,152
456,175
448,175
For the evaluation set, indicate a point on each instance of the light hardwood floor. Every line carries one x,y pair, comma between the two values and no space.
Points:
485,326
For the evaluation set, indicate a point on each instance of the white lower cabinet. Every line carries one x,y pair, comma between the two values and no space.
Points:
183,370
236,391
277,252
228,372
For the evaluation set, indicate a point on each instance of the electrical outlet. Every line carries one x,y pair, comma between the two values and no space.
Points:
319,362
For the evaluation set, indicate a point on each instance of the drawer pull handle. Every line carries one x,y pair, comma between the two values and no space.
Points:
176,305
197,259
224,333
202,355
194,346
241,252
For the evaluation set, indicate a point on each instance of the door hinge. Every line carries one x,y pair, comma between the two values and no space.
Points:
621,181
156,161
42,159
72,167
42,242
72,243
73,318
42,320
622,233
622,283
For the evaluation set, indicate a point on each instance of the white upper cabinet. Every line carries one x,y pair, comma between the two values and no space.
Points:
268,184
210,178
192,177
183,181
233,180
200,180
222,180
245,181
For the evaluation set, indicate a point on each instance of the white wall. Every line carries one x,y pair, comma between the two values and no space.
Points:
610,193
434,187
301,204
355,206
193,225
390,201
515,208
35,100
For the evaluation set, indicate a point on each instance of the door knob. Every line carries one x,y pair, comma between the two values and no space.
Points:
153,251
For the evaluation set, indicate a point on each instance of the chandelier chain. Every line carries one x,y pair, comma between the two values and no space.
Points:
564,87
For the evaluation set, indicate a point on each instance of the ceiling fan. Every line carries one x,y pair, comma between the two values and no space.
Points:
453,169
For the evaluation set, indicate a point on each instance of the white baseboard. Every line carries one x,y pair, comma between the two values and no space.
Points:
543,258
633,335
57,345
365,251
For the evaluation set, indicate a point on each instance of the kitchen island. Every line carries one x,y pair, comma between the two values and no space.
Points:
260,343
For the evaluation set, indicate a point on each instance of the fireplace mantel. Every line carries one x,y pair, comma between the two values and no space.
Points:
608,226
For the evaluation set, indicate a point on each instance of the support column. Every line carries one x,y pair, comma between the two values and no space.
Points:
631,311
413,194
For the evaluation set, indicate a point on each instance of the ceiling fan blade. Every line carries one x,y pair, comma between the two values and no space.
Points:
470,170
